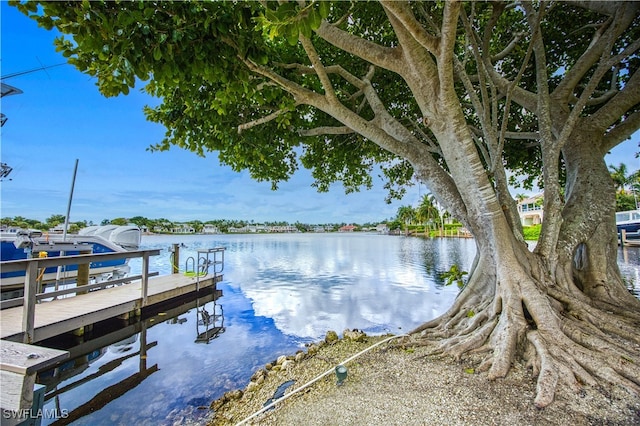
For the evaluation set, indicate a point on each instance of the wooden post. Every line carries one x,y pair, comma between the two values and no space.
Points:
143,347
176,258
623,237
29,305
18,367
83,273
145,278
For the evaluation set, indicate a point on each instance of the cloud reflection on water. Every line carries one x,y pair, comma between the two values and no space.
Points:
310,283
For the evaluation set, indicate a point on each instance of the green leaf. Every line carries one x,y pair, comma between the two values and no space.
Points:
324,7
270,15
286,11
469,370
157,53
305,28
292,35
314,19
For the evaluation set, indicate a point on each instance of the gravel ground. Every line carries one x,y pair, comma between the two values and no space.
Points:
389,385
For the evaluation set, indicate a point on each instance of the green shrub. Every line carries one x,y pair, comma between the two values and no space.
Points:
531,233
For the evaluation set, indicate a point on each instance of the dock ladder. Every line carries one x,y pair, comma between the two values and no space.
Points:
208,258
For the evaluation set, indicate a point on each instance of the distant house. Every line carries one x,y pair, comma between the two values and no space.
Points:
382,228
257,228
347,228
159,228
283,228
210,229
531,211
58,229
183,228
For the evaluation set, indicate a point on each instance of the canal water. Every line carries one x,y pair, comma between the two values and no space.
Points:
280,291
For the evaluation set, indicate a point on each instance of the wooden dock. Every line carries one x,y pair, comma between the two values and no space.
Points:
25,320
68,314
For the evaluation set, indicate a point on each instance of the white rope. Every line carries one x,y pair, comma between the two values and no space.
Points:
326,373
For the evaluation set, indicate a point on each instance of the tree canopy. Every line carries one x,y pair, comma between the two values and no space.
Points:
453,94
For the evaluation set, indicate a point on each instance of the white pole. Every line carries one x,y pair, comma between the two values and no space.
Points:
66,219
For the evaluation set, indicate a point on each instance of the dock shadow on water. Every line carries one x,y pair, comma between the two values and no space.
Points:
280,292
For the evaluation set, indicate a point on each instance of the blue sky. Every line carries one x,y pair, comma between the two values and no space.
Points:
62,117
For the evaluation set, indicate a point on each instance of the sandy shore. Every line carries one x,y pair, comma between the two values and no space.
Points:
391,385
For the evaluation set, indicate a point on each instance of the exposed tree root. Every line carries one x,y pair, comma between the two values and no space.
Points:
563,339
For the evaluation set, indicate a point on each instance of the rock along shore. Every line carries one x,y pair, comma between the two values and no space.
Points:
395,385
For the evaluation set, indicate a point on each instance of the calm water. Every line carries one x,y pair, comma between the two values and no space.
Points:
280,292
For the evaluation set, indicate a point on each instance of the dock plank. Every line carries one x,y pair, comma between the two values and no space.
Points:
70,313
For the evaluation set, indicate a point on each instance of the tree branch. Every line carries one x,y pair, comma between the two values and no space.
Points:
260,121
300,94
401,11
603,7
432,146
576,72
619,21
326,130
508,48
622,102
319,67
550,145
447,46
622,131
385,57
604,65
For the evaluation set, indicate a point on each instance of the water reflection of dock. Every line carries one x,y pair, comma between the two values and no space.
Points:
124,336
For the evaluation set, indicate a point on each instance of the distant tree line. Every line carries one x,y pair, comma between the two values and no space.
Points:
428,216
166,225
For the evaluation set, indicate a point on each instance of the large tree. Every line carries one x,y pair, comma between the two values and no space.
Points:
452,94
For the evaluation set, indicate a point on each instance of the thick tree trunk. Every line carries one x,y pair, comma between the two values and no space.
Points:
561,309
588,234
516,308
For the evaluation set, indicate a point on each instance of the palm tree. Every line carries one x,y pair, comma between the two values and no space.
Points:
620,177
406,214
634,184
622,180
427,210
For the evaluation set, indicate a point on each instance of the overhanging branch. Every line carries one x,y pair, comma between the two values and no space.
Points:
622,131
260,121
326,130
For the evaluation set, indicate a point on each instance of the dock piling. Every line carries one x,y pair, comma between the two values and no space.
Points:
175,259
83,273
29,306
145,278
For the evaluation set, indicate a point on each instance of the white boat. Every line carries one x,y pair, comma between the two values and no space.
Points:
18,244
629,221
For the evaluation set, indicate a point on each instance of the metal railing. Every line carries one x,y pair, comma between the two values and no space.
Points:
32,266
